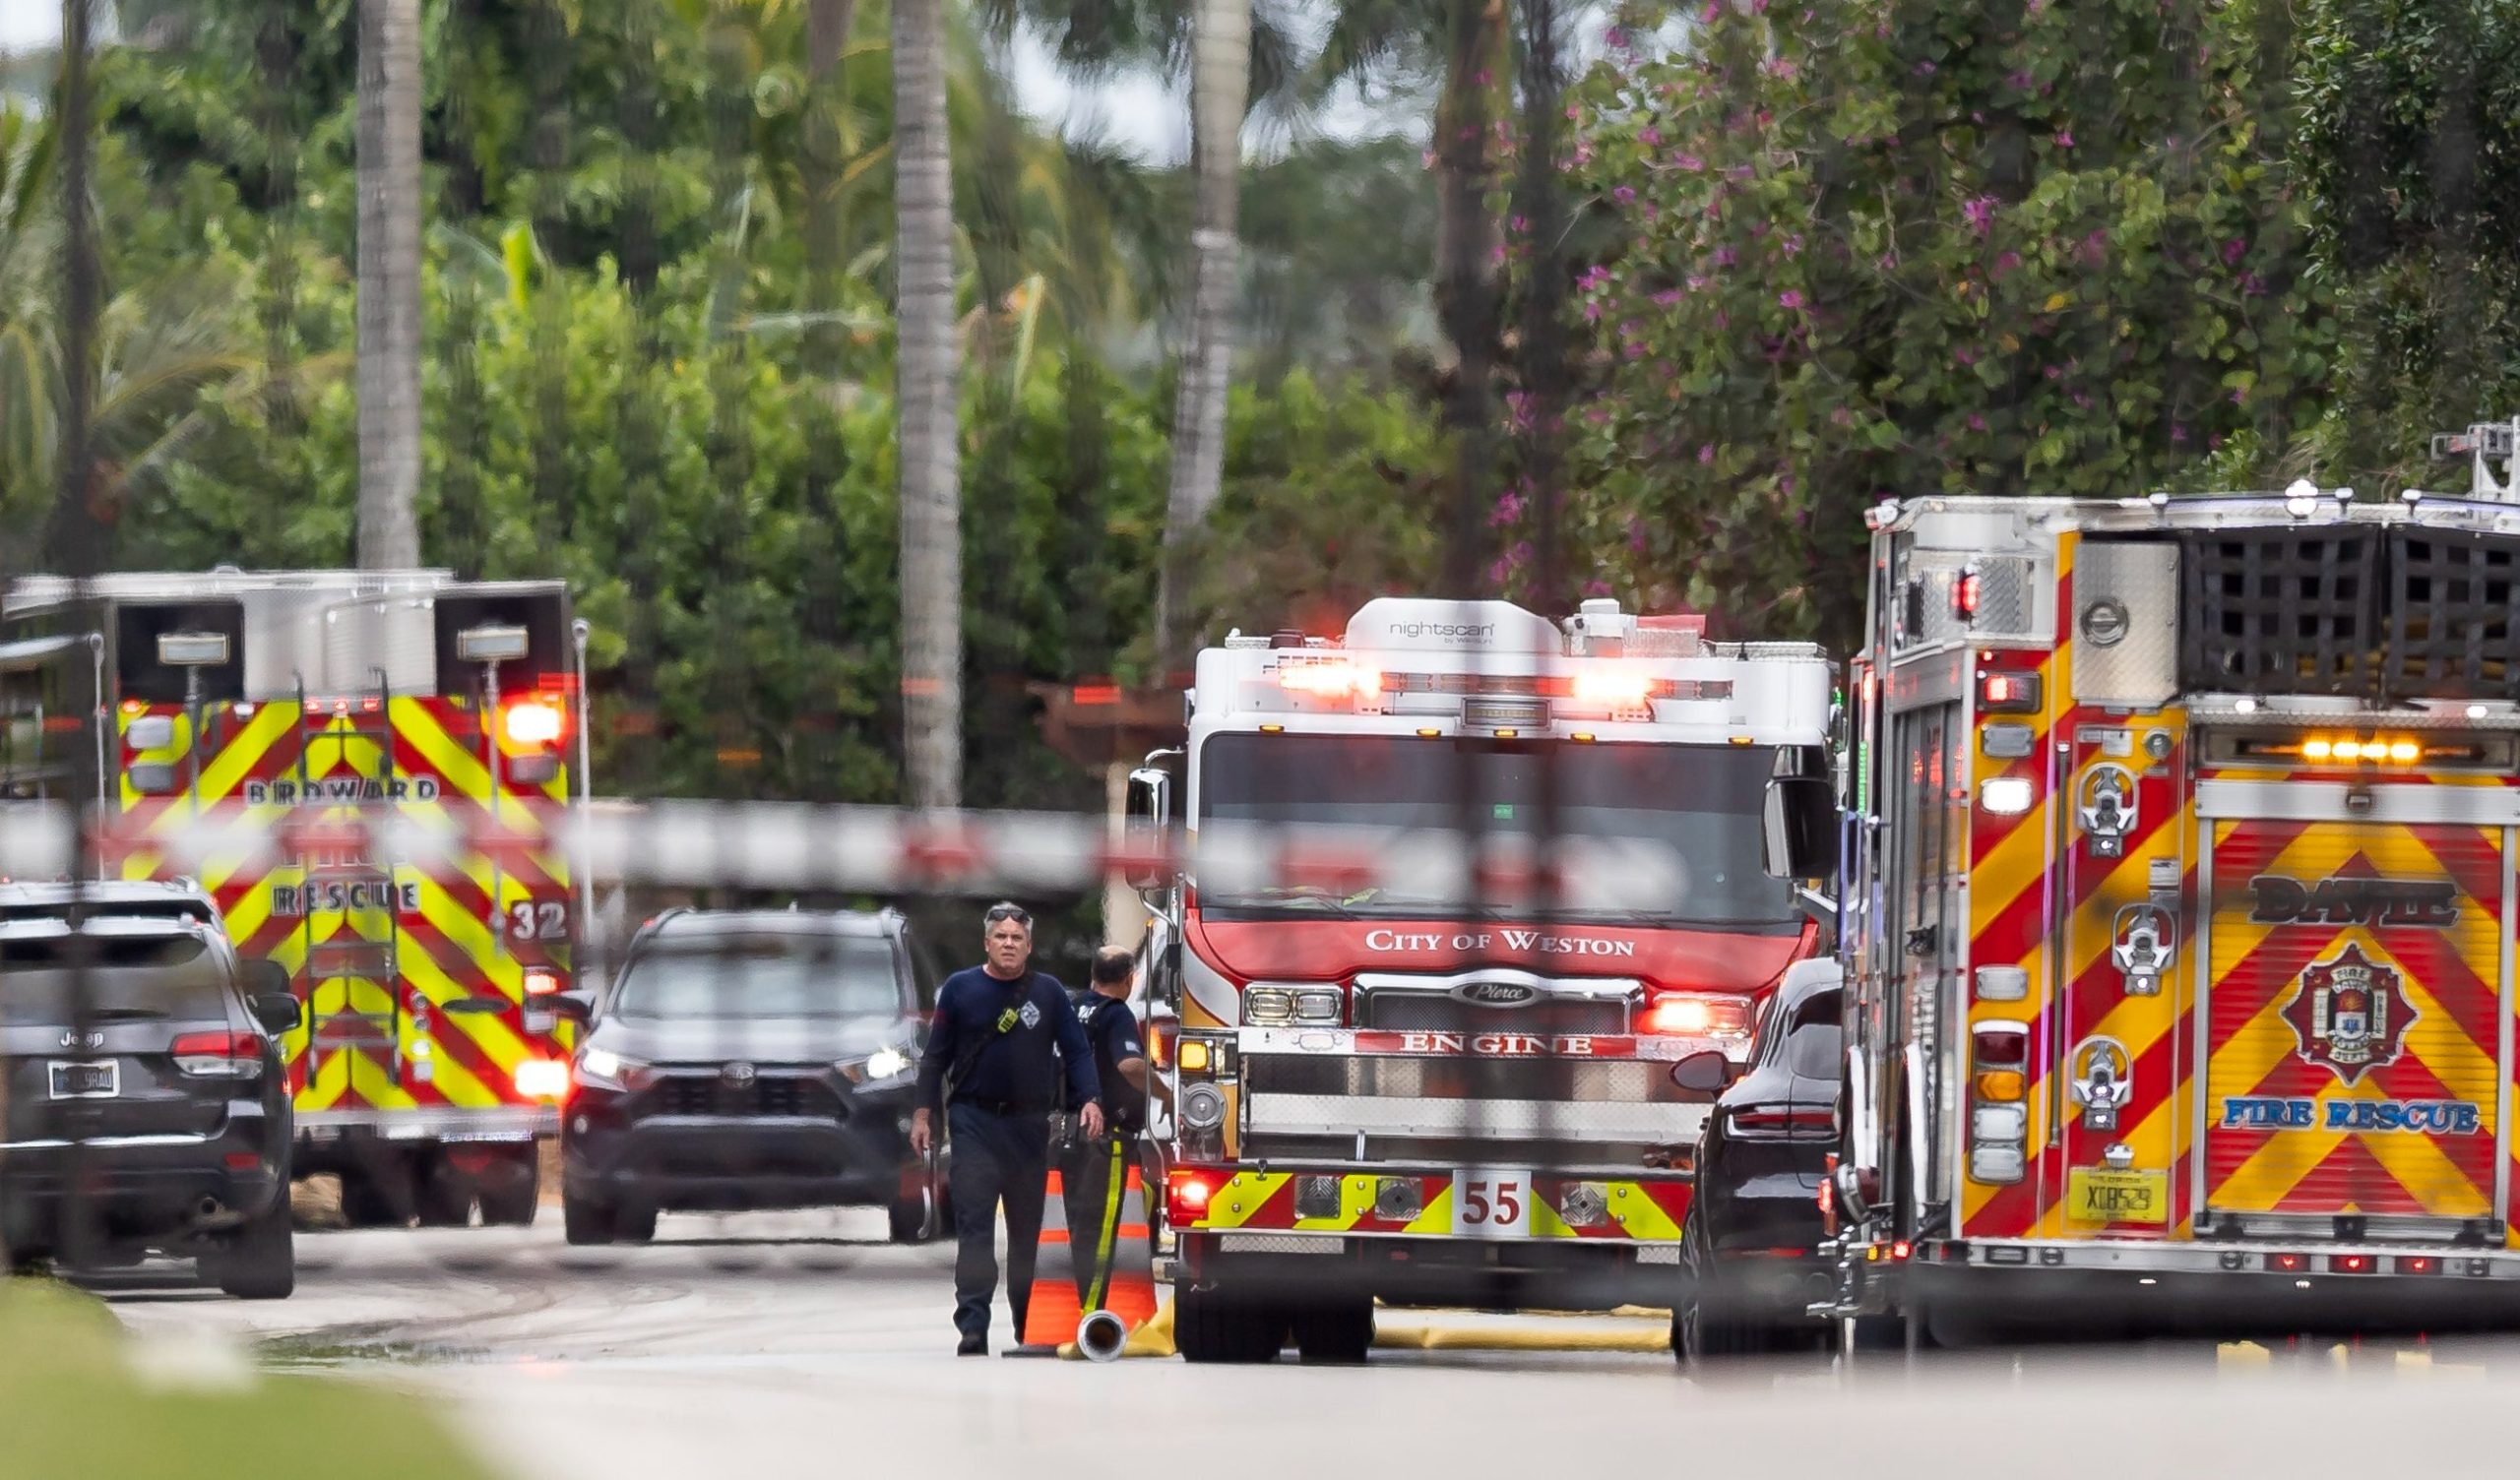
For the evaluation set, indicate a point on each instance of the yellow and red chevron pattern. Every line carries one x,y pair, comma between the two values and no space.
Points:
2298,1124
463,932
1639,1211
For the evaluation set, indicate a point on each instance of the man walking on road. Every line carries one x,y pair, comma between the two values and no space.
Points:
1003,1035
1120,1066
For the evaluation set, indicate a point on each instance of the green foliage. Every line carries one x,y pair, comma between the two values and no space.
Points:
1890,246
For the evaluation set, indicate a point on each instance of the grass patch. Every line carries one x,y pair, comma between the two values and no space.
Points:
75,1404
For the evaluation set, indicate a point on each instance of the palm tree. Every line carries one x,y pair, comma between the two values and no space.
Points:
927,367
1219,84
389,284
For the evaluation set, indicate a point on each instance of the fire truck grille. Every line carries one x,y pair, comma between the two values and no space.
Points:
1632,1081
1437,1012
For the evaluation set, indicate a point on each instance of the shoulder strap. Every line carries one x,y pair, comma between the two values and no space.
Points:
968,1055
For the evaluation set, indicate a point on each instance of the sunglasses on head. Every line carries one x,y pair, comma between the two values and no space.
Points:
1013,913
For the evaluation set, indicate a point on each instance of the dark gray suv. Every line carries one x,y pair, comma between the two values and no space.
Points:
748,1060
147,1107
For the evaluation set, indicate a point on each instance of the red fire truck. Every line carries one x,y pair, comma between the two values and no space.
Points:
327,752
2178,929
1465,885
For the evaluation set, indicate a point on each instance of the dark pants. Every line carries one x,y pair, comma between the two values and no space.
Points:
1085,1176
997,1158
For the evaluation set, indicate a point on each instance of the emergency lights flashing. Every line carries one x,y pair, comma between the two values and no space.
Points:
1612,688
1330,680
533,722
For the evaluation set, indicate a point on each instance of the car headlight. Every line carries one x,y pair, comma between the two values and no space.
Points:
603,1069
882,1067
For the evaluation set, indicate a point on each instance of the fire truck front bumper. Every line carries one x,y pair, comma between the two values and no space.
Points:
2218,1288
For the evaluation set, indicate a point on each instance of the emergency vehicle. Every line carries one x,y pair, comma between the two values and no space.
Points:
284,736
1464,888
2178,900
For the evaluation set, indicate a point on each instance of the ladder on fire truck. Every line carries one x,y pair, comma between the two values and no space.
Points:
368,949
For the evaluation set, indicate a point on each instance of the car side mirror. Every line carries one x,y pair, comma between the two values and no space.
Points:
1706,1071
278,1012
266,978
575,1006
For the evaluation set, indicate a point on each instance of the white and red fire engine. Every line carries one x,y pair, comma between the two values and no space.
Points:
1465,885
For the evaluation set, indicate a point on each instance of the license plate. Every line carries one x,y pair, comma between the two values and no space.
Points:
85,1081
2094,1196
1492,1202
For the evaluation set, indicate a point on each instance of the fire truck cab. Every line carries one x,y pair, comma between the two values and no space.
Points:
1465,885
2178,895
327,752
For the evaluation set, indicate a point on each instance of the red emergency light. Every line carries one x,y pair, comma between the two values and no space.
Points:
1187,1192
534,721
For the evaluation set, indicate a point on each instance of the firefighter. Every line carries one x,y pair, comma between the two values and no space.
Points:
1120,1066
1003,1033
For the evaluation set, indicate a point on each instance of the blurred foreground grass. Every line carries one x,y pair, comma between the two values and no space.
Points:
80,1401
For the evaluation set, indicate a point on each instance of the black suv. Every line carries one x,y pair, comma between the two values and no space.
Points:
161,1098
1749,1252
748,1060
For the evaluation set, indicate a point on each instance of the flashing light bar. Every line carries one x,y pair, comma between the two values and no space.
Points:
535,721
2358,750
1334,679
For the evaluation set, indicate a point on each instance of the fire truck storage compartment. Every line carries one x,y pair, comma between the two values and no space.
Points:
2355,1012
2350,609
137,671
544,613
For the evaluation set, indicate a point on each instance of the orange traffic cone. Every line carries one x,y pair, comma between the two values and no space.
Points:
1051,1311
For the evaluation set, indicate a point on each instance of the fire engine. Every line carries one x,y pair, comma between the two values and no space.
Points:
2178,895
335,718
1464,888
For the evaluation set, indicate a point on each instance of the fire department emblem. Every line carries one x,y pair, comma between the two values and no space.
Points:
2350,1015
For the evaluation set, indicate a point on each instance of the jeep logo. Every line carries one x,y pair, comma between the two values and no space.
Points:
2274,899
1496,993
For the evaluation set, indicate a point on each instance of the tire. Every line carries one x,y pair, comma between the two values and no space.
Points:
905,1222
511,1196
584,1220
442,1195
1211,1325
378,1192
1335,1332
260,1263
1708,1322
634,1225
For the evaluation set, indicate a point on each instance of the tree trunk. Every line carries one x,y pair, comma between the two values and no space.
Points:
389,284
1219,83
925,374
75,543
1466,266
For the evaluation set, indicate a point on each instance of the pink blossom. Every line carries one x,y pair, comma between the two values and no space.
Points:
2064,139
1705,455
1689,162
1648,136
2019,81
1521,224
2007,262
1706,17
2054,372
2233,250
1624,195
1977,423
1925,69
1790,298
1592,313
1509,508
1634,351
1980,212
1964,356
1597,587
1724,256
1426,159
1667,297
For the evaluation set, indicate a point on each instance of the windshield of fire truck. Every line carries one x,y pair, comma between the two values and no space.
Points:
1685,816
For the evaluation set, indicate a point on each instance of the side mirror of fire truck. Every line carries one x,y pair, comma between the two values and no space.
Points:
1146,835
1801,828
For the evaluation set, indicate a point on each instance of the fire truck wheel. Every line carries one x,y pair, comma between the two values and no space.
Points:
260,1261
1211,1325
634,1225
584,1220
1335,1332
379,1194
512,1190
1708,1320
443,1195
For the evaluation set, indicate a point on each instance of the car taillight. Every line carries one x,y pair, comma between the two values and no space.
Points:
1187,1192
1793,1122
220,1056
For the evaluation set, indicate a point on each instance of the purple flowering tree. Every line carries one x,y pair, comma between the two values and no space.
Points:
1867,248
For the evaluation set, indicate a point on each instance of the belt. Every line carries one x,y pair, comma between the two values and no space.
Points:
998,1107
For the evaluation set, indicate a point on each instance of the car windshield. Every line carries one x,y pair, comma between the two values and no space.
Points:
1669,833
1814,1039
764,976
132,978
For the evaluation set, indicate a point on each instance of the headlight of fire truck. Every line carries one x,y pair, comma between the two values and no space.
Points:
1276,1006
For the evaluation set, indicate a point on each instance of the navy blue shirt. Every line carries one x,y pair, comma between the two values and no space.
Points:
1021,1065
1113,1028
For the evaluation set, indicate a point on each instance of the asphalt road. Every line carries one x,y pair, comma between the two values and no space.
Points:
735,1345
